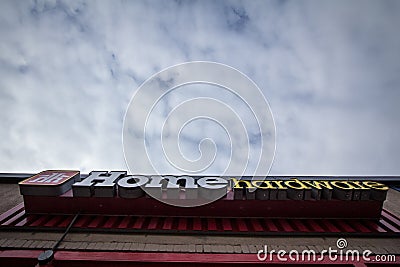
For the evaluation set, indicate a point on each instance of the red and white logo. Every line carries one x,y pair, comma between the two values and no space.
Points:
50,178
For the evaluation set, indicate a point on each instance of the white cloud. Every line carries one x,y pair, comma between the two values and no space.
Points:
329,70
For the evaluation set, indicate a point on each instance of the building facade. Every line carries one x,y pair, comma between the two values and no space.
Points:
65,218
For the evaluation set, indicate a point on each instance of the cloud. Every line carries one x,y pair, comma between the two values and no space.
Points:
328,69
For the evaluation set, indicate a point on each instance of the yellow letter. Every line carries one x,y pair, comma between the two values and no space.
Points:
279,184
346,187
358,183
376,185
296,184
268,184
318,184
238,183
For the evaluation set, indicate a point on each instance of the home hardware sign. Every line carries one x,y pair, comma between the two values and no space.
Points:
117,193
118,183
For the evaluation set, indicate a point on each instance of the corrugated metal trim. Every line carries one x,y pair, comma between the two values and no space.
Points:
17,219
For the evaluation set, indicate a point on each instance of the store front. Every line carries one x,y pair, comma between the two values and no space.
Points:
106,218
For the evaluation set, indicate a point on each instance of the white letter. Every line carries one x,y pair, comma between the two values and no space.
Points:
130,186
212,187
280,254
98,183
262,251
366,254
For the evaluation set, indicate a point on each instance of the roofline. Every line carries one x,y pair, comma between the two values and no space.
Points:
8,177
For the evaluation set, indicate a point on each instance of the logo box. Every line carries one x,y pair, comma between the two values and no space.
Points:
50,183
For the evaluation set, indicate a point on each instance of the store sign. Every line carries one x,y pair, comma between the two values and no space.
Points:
118,183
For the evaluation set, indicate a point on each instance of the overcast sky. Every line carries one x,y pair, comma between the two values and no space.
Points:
330,71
